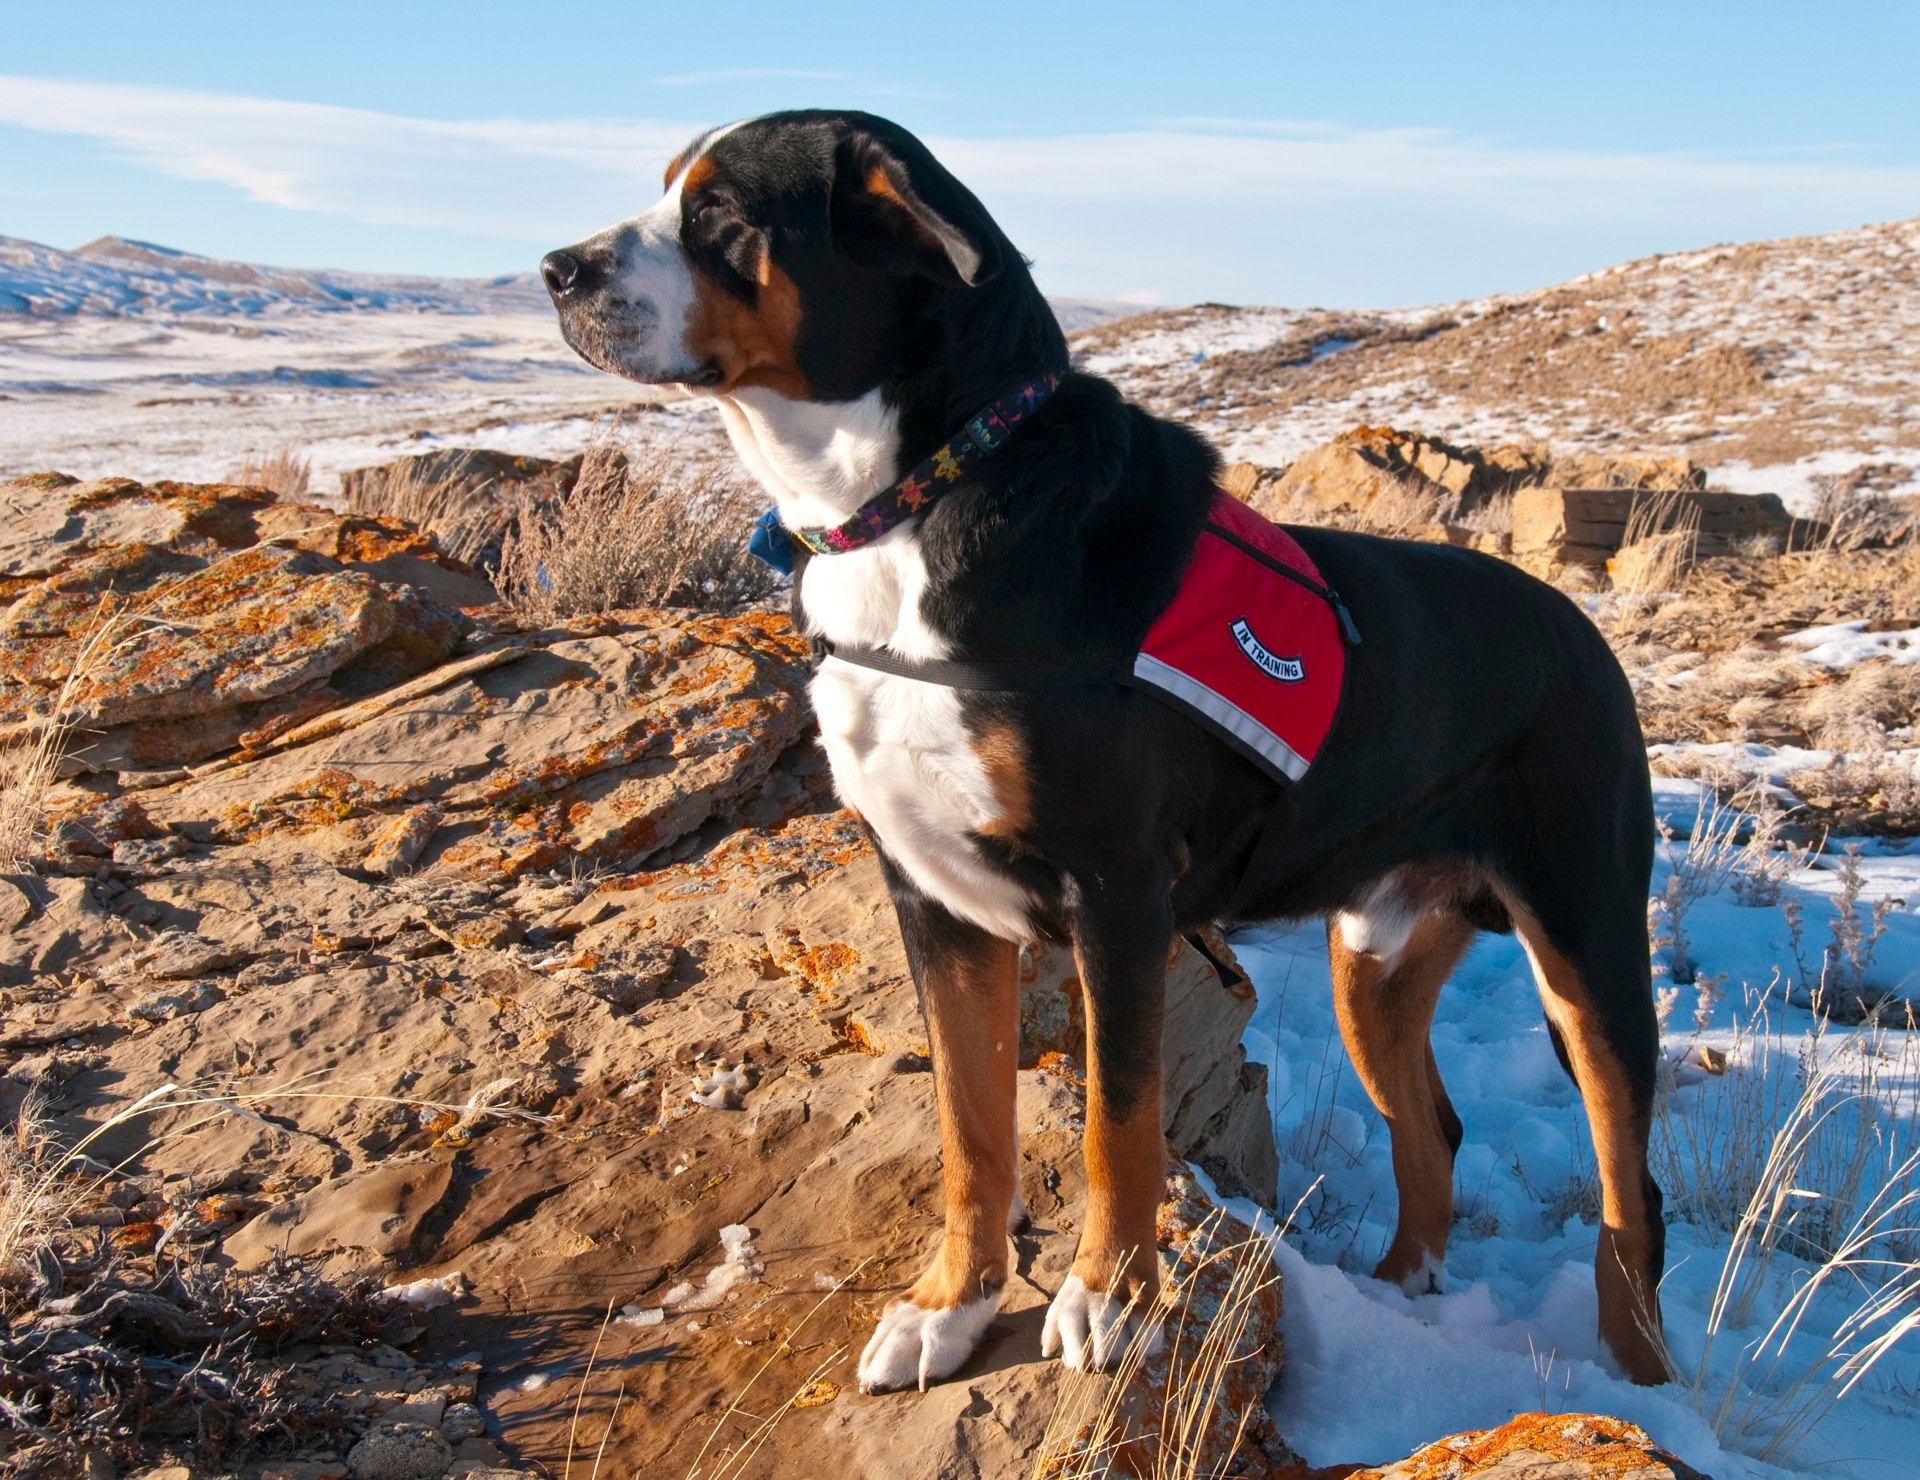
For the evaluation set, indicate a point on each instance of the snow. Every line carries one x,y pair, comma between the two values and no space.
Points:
1848,644
1373,1373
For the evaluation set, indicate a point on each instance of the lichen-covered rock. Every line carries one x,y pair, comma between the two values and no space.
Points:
401,841
1360,469
1542,1446
237,613
254,626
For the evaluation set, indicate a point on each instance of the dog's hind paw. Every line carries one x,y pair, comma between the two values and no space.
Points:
913,1346
1091,1331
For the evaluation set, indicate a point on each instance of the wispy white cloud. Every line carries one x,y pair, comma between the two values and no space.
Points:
748,74
1191,206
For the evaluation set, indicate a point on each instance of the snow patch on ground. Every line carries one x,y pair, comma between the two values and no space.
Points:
1848,644
1372,1373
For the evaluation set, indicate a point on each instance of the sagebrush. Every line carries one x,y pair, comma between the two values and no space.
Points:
632,534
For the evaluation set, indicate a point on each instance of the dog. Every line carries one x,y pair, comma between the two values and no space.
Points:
850,307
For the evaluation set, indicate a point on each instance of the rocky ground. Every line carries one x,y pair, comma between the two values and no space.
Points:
523,961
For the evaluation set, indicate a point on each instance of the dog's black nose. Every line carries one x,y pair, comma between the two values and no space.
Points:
563,273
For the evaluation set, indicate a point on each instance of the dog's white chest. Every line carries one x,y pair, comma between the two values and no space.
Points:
900,753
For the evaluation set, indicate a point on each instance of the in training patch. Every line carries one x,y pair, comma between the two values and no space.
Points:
1254,646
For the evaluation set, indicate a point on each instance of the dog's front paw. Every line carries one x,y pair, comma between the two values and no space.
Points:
1091,1330
913,1345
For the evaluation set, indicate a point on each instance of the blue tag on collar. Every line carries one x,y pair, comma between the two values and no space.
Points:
770,543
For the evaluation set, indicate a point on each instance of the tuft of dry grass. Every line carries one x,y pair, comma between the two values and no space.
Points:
1205,1312
633,535
1820,1212
465,519
30,760
282,471
1661,544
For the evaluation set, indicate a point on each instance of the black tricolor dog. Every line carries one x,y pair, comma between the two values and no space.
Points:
850,305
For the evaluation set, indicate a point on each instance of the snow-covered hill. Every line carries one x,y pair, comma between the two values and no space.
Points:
1770,362
121,278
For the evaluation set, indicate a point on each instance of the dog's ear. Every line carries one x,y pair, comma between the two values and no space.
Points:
896,209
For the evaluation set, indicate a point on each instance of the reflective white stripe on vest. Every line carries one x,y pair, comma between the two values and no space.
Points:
1229,716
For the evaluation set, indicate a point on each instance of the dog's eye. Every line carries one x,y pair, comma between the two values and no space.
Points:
706,218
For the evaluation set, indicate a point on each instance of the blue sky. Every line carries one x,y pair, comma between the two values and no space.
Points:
1348,154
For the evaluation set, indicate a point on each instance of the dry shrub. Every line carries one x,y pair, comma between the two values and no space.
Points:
465,519
1746,694
1857,709
633,535
109,1353
282,471
1858,516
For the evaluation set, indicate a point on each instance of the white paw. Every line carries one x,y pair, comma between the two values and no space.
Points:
1017,1216
1091,1330
1428,1279
915,1346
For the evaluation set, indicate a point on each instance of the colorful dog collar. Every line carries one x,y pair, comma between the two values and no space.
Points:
984,434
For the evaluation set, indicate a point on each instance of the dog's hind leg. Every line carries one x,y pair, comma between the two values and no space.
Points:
1385,986
1122,952
969,993
1594,981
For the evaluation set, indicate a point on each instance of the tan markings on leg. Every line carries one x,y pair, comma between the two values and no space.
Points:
1003,758
1385,1010
752,343
1629,1302
973,1019
1126,1162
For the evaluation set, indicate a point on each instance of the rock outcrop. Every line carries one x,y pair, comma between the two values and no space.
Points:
1539,1446
215,616
541,965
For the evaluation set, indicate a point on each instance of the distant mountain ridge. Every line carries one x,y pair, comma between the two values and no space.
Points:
117,278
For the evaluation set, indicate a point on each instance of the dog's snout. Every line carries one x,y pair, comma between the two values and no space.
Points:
565,274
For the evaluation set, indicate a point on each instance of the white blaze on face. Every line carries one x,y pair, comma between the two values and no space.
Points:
637,324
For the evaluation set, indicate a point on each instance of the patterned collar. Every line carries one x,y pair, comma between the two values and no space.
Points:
984,434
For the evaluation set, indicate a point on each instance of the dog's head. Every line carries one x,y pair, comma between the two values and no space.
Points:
816,254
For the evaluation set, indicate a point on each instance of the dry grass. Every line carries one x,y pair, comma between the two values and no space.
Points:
30,761
1097,1428
1821,1211
113,1354
633,535
282,471
1661,544
1858,517
465,519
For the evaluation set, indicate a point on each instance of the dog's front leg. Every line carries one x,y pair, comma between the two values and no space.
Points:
1121,943
969,991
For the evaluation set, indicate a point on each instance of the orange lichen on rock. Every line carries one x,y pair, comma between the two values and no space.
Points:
1579,1446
